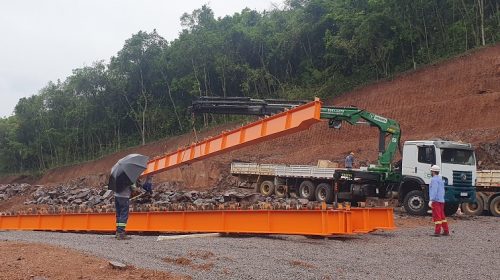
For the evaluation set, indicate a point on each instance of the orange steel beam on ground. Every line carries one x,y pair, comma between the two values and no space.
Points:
293,120
300,222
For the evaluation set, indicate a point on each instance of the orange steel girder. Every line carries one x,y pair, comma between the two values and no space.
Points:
293,120
301,222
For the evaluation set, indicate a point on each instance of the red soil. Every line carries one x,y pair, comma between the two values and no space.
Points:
19,260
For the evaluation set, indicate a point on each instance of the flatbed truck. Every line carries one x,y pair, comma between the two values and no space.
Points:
408,180
458,169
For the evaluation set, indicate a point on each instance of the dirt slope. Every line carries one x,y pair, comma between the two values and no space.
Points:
458,99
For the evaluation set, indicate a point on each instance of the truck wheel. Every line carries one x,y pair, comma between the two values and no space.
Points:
414,203
495,206
324,192
281,191
473,209
306,190
267,188
450,209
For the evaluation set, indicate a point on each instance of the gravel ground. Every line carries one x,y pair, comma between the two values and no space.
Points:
472,252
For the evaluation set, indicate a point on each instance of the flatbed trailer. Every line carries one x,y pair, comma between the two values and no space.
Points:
282,170
305,180
333,185
487,194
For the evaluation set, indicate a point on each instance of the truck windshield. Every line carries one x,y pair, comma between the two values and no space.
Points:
457,156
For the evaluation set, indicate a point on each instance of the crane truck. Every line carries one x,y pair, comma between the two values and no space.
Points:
407,180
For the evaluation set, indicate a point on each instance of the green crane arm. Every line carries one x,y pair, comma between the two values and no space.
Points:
335,115
354,116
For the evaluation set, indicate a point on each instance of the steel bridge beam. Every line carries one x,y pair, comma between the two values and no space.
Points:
291,121
299,222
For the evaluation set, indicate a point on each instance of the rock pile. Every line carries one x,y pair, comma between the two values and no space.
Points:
208,200
69,196
164,196
11,190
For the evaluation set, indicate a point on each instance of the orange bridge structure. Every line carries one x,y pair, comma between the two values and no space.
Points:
322,222
300,222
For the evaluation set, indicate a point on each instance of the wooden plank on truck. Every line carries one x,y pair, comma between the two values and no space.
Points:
253,169
282,170
305,171
322,163
488,178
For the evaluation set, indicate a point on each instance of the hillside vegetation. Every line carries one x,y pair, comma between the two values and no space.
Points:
308,48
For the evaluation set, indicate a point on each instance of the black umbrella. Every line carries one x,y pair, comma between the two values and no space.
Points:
126,171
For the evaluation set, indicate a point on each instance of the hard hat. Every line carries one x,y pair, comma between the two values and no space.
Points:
352,153
435,168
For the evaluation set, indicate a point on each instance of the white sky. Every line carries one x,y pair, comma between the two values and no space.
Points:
42,41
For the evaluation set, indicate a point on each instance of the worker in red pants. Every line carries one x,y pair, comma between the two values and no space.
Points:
436,202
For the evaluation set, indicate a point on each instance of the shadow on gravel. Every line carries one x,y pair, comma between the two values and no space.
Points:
309,239
383,234
263,236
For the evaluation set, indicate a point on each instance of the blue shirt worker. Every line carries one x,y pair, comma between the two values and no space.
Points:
122,202
349,160
436,202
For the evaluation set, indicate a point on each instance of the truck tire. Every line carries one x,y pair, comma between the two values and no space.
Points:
474,209
495,206
450,209
267,188
324,192
307,190
414,203
281,191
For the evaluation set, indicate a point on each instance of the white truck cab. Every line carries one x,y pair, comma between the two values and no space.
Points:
458,170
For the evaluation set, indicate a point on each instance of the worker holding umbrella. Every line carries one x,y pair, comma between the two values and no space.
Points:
122,180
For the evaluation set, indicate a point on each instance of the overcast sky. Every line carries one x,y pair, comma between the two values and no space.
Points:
42,41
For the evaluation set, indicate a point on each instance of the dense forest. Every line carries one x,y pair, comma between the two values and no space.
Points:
308,48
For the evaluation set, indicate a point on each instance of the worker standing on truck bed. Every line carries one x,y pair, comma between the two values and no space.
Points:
349,160
436,202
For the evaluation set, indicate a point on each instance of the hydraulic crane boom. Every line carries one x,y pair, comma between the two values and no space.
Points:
335,116
290,121
354,116
242,105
